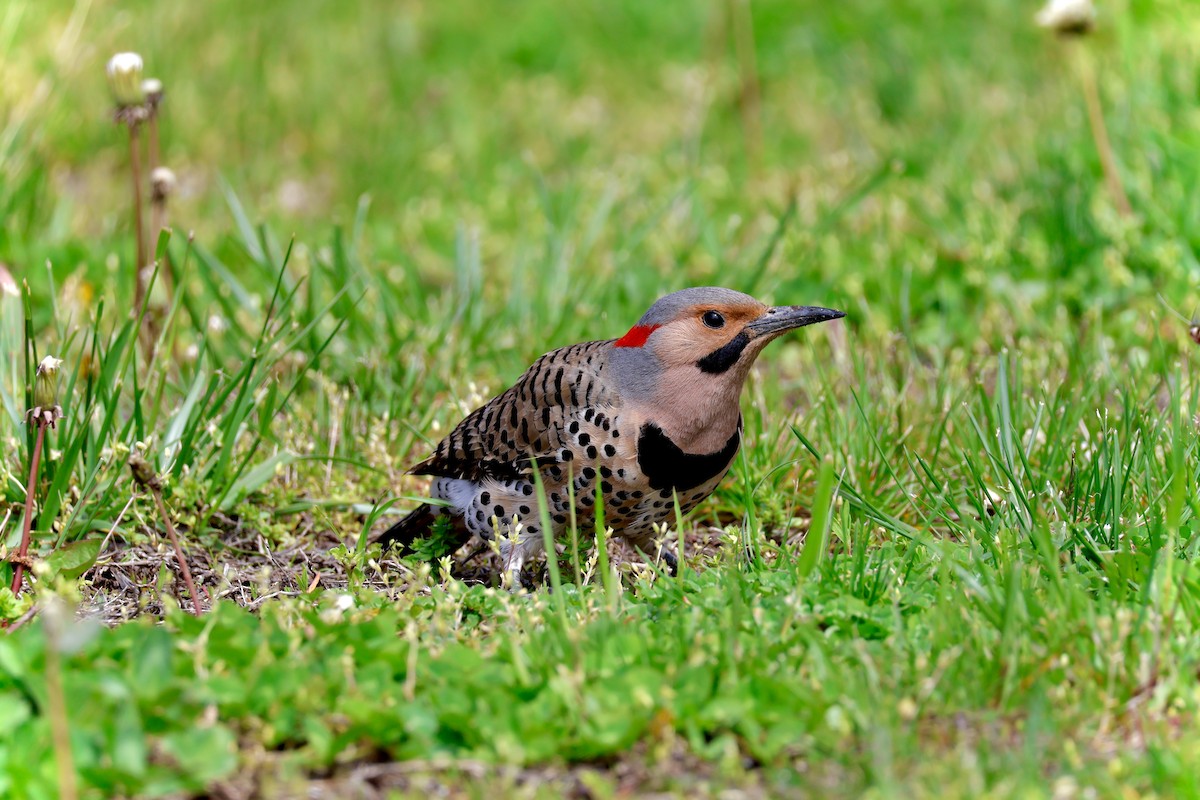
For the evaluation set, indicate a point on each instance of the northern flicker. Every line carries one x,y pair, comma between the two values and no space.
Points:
640,419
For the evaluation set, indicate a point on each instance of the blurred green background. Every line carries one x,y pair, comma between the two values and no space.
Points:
1006,591
938,154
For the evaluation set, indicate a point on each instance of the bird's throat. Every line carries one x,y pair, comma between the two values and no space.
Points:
667,466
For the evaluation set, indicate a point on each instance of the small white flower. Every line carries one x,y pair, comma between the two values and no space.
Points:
217,324
49,364
125,79
162,182
152,88
1068,16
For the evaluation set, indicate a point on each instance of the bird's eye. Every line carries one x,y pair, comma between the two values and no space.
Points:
713,319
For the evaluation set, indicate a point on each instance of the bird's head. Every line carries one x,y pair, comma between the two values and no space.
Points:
709,331
688,357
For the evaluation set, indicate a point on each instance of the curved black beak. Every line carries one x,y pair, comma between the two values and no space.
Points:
784,318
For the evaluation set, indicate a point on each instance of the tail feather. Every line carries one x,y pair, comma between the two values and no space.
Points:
417,524
420,525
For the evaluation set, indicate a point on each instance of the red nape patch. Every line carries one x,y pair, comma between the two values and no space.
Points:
637,336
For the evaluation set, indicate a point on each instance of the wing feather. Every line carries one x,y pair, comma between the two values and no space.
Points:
501,438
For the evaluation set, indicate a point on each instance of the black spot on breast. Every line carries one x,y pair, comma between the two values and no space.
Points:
724,357
667,467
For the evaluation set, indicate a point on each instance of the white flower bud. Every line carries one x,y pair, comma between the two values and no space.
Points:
125,79
1068,16
45,384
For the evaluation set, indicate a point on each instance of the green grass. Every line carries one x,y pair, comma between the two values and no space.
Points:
397,208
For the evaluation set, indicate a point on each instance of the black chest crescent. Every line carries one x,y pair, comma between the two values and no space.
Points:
668,467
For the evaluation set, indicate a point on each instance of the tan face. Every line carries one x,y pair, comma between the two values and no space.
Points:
701,331
701,342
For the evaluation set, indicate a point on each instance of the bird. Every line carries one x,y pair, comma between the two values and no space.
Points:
630,424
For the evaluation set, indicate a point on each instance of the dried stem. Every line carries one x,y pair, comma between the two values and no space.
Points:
145,477
183,565
1108,162
22,558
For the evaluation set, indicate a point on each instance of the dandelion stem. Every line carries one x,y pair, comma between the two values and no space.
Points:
158,199
135,168
152,125
158,203
27,526
1108,162
60,729
748,99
